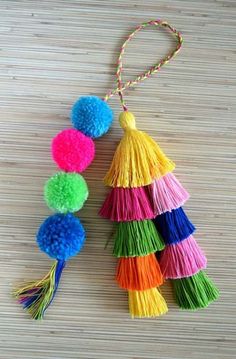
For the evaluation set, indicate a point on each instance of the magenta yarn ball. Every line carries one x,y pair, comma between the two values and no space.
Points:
72,150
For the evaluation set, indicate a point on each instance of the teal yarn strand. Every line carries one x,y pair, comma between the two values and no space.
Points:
194,292
137,238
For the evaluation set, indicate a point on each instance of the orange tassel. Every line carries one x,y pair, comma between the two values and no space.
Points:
139,273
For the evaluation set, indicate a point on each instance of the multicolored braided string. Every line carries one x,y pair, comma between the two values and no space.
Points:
154,69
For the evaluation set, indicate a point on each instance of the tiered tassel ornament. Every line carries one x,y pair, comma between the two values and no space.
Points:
129,204
143,187
132,202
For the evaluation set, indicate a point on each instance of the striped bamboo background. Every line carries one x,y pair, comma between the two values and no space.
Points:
51,53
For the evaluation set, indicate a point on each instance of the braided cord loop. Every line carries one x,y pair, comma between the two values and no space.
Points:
154,69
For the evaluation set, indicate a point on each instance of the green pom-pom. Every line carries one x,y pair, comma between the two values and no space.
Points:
137,238
65,192
194,292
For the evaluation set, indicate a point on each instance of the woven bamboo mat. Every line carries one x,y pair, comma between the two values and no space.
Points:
51,53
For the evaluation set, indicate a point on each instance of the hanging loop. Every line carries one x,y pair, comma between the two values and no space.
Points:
155,68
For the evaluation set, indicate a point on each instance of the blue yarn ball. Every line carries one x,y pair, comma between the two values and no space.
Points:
61,236
92,116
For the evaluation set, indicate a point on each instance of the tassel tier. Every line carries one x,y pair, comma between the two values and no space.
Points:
127,204
182,259
167,194
139,273
138,159
137,238
194,292
174,226
147,303
36,296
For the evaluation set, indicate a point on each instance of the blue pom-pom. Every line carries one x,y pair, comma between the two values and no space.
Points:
174,226
61,236
92,116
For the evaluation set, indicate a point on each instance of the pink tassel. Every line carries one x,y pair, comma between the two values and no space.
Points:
182,259
127,204
167,193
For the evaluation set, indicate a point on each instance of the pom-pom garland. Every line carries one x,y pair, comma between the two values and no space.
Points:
66,192
61,236
72,150
92,116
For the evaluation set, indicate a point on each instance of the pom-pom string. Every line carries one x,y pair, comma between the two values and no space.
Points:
155,68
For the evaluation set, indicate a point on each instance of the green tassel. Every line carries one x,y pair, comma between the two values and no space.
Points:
194,292
137,238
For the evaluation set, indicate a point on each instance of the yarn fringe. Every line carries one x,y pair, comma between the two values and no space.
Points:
167,194
194,292
127,204
137,238
137,161
183,259
139,273
174,226
146,304
36,297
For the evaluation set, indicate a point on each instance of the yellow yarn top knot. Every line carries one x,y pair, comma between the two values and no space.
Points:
127,120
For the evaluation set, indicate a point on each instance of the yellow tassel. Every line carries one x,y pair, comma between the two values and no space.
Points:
147,303
138,158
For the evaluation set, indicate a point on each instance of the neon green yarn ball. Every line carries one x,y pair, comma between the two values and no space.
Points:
65,192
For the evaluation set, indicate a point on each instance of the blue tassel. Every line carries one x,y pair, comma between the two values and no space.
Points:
174,226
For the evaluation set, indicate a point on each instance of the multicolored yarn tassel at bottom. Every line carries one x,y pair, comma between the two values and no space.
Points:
145,194
37,296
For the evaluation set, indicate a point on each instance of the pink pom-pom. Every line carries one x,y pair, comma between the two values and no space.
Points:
72,150
182,259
